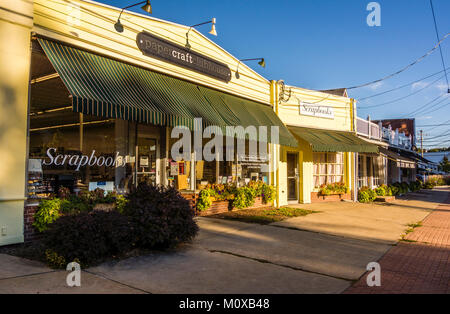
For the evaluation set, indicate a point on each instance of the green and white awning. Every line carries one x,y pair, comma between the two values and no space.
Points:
334,141
109,88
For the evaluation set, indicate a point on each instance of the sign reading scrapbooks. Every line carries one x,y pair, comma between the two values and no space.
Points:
314,110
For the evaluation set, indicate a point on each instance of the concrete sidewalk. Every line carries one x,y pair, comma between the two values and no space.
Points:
382,222
319,253
18,275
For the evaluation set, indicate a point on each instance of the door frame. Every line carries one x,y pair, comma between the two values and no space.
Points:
296,177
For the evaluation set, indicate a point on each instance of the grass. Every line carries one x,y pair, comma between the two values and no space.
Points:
410,229
264,216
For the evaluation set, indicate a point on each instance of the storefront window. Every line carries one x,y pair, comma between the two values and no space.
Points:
328,168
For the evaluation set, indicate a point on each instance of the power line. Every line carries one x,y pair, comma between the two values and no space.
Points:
404,68
432,125
403,86
436,109
440,48
403,97
446,133
417,110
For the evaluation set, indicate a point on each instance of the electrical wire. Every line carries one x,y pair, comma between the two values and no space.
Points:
433,125
403,97
436,109
424,106
403,86
404,68
440,48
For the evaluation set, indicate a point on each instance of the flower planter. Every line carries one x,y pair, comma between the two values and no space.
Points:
317,197
105,207
219,207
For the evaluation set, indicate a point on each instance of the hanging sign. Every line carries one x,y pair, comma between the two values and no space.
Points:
313,110
154,46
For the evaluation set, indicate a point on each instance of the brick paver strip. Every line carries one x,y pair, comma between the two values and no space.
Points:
417,267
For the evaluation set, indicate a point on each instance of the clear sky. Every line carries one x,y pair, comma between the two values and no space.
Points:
325,44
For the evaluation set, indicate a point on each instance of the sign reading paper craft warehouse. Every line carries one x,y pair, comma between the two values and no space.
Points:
314,110
154,46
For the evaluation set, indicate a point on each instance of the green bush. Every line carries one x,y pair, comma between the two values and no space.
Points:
244,198
268,193
204,199
405,187
381,190
161,217
88,237
365,195
47,213
394,189
415,186
334,188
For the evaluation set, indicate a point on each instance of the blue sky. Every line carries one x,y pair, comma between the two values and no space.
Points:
324,44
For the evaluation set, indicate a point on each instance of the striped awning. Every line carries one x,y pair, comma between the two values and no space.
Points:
401,161
334,141
109,88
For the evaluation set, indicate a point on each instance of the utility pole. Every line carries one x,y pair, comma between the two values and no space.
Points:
421,142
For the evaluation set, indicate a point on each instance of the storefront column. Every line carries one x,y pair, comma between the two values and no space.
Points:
16,21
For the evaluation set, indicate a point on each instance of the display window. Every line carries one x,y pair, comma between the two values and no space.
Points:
328,168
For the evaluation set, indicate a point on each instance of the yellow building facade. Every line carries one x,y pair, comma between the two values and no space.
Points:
323,124
53,109
31,29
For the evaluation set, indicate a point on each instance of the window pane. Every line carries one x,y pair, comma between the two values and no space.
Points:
330,169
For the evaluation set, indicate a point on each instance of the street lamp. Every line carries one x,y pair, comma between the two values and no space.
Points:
261,62
212,31
147,8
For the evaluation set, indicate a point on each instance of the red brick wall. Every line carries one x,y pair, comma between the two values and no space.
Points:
29,232
219,207
316,198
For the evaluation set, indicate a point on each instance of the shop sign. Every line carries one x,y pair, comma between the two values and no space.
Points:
79,161
314,110
156,47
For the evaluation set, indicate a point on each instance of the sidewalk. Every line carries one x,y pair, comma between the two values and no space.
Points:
419,266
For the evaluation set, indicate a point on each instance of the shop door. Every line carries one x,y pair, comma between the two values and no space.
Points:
147,155
292,177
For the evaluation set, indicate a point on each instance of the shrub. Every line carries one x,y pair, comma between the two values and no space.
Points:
428,185
54,260
204,199
394,190
334,188
161,216
365,195
381,190
87,237
388,191
415,186
244,198
47,213
405,187
74,205
268,193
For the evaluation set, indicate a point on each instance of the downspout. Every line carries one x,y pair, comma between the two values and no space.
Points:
275,157
355,155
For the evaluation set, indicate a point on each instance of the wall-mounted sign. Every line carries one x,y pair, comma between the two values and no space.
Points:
154,46
314,110
79,161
